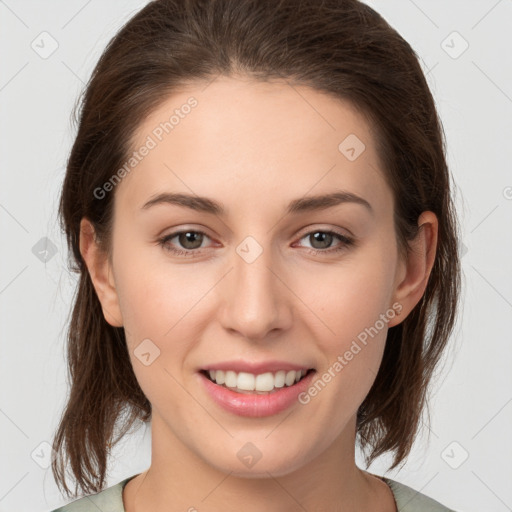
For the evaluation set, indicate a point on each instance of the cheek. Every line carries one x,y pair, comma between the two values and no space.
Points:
163,310
349,297
158,316
155,295
351,306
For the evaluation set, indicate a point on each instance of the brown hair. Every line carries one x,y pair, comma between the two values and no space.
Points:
341,47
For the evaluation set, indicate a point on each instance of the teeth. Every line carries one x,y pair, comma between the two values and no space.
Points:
262,383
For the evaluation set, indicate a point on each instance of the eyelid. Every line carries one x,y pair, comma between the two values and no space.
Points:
179,228
318,227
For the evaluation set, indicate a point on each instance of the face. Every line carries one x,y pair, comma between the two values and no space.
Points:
315,286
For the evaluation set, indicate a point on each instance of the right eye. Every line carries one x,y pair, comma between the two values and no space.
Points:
190,240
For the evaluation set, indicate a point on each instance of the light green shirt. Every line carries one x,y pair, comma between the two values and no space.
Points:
111,500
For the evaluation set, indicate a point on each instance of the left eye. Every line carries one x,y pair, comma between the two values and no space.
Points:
191,240
325,238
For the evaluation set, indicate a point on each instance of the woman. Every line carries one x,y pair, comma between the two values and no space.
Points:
258,205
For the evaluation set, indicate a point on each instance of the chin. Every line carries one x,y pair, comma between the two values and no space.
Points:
260,466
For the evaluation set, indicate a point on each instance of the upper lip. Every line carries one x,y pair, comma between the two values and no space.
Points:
256,368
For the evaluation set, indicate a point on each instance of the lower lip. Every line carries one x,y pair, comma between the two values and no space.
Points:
256,405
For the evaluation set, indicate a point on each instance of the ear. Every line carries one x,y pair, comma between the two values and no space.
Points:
412,275
100,270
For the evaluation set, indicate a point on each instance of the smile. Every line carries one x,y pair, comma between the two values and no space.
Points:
264,396
248,383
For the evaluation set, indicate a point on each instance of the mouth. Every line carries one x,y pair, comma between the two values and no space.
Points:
256,384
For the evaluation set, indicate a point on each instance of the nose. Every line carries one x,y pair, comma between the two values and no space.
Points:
256,302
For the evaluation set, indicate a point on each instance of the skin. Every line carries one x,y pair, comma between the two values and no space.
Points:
255,147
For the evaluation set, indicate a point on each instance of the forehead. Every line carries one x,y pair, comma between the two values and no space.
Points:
250,142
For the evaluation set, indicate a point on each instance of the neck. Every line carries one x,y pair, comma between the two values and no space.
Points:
178,479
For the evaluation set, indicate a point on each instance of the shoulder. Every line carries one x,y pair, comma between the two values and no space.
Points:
409,500
108,500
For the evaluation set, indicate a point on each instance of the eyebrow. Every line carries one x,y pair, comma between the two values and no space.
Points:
301,205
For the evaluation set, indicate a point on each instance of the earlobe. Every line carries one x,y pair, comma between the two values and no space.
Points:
100,272
413,280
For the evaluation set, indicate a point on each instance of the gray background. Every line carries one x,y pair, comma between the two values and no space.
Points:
464,461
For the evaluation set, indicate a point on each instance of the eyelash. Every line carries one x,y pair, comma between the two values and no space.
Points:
346,242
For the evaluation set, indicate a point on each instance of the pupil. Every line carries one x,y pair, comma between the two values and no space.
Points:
320,236
188,237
